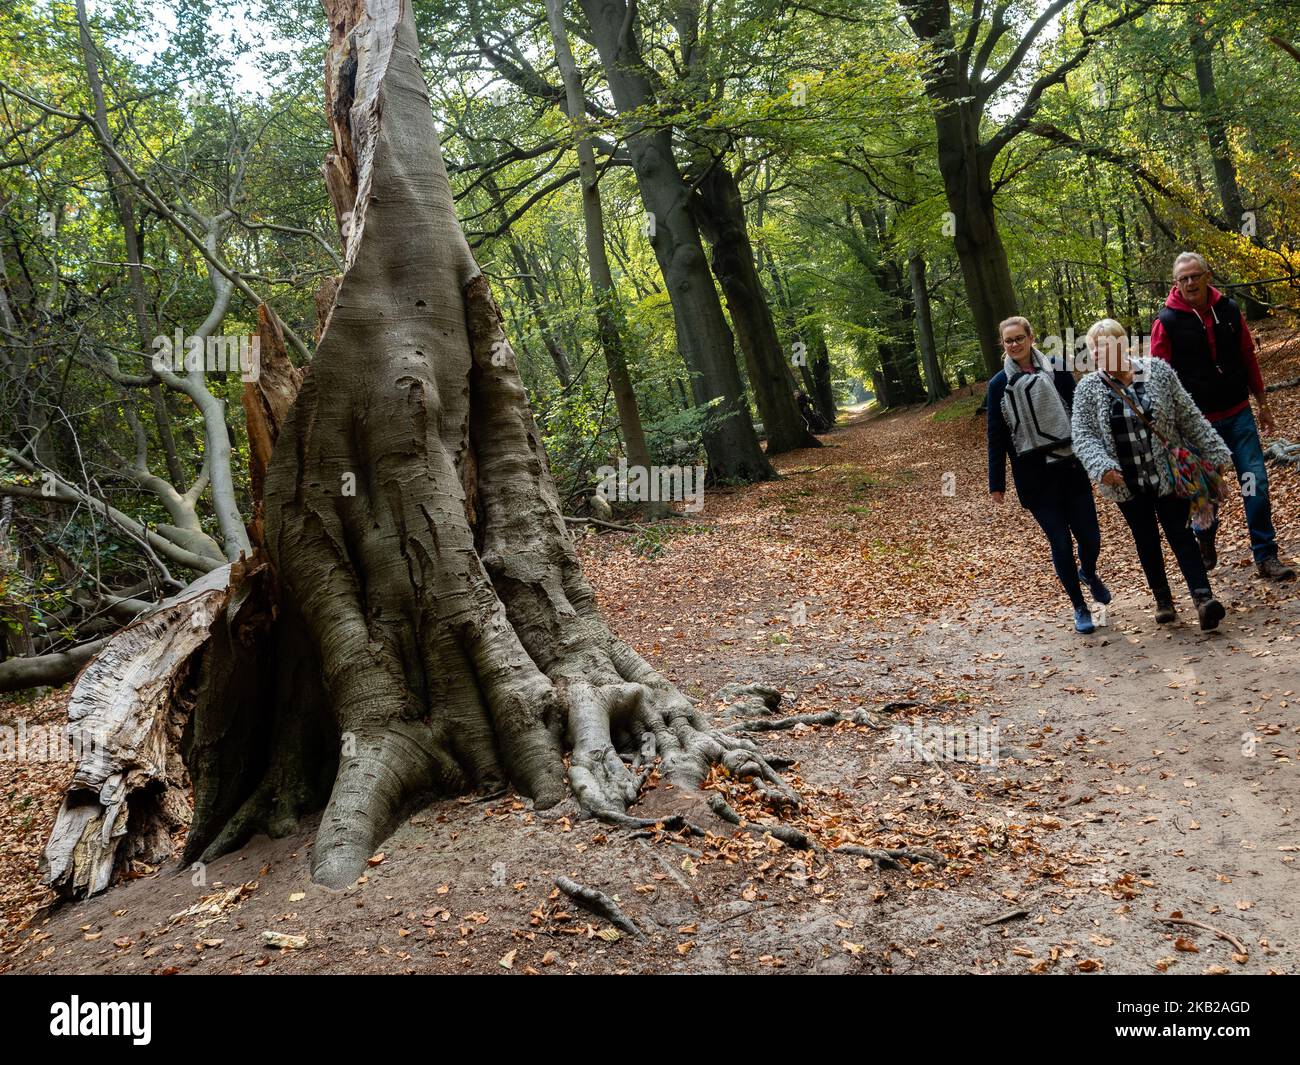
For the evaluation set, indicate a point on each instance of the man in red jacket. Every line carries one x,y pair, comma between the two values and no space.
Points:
1202,334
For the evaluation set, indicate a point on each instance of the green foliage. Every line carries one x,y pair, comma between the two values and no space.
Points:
820,111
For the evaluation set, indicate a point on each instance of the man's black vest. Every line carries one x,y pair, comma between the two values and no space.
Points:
1217,382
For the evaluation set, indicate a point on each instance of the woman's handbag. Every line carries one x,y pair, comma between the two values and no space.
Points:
1195,478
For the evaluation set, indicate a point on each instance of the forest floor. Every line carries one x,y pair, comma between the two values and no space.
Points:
1144,775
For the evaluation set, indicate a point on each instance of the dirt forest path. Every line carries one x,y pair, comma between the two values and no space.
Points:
1146,775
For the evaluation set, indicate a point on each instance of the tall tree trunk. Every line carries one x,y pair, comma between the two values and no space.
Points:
819,359
705,341
936,388
1130,295
123,199
1101,233
608,321
526,266
899,372
803,323
721,212
1225,170
968,187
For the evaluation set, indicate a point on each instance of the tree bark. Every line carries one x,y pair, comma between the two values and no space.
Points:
721,213
900,376
16,674
528,274
123,199
129,790
968,186
803,323
706,343
936,388
1225,170
608,319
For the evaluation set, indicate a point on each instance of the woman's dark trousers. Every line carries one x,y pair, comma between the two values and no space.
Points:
1067,517
1146,515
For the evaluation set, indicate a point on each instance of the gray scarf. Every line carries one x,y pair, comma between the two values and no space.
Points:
1034,411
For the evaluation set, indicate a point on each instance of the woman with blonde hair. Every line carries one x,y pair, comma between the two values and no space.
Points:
1029,423
1130,416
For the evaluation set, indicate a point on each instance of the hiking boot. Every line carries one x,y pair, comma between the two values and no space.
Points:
1083,620
1208,610
1209,553
1272,569
1164,606
1100,593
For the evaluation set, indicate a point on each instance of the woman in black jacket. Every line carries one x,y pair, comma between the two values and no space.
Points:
1031,427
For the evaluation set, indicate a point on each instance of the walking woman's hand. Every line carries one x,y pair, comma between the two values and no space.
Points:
1113,478
997,497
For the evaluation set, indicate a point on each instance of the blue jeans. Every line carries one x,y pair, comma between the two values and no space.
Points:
1066,517
1242,437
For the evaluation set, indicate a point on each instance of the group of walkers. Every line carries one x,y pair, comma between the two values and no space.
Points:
1156,433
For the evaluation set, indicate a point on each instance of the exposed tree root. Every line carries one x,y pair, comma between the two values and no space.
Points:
888,858
722,808
1277,385
824,717
787,834
600,904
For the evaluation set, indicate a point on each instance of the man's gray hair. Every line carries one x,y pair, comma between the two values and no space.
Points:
1190,257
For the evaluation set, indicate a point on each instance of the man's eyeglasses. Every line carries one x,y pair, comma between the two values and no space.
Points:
1189,279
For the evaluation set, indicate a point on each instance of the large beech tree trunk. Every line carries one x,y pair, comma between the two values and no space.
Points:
422,625
968,184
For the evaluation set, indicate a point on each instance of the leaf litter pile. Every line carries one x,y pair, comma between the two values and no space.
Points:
861,598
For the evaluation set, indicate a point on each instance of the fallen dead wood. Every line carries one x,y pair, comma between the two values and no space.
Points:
130,790
602,523
1227,937
1010,915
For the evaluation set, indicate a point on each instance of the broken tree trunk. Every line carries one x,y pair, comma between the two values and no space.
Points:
129,792
423,625
130,709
